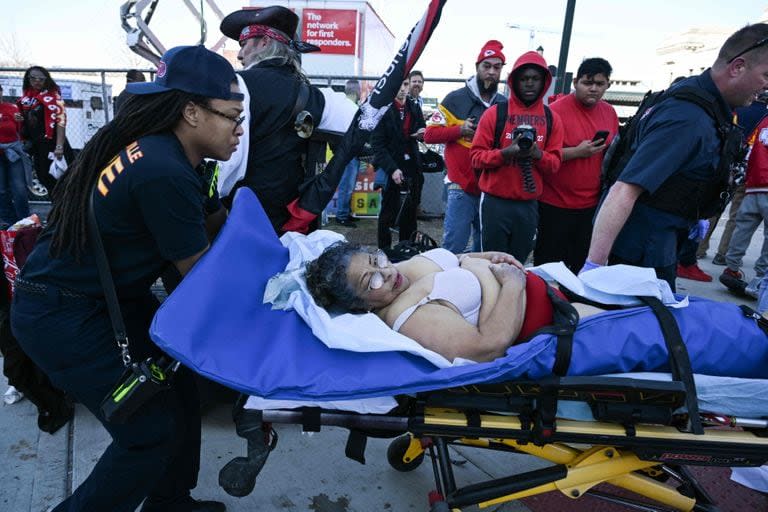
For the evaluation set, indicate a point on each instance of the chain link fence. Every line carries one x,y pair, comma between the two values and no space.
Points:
89,95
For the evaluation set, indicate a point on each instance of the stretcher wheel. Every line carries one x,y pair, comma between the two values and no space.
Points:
396,455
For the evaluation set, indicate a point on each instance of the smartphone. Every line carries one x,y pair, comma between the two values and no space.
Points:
601,134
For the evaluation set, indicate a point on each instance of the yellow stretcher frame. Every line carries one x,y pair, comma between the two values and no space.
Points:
609,458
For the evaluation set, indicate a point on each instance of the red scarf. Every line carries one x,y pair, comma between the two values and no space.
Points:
53,108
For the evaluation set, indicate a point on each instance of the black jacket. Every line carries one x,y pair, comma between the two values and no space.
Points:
390,145
275,156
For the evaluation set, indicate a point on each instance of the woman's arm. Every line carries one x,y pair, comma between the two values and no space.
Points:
443,330
494,257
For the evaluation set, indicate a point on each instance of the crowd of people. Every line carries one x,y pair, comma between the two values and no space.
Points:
524,176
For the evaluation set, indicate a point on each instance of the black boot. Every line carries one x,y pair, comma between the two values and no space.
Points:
238,476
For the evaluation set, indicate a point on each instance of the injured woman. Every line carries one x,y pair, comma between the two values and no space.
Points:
472,306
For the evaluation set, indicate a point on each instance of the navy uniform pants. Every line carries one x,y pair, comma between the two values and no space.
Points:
156,453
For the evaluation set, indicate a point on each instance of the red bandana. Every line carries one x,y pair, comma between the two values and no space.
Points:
262,30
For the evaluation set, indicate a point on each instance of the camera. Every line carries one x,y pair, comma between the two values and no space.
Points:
527,135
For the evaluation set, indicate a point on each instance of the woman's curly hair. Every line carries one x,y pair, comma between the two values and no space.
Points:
327,278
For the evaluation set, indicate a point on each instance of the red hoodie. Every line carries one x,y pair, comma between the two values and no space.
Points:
504,179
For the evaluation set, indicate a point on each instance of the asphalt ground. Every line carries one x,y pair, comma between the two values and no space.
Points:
306,471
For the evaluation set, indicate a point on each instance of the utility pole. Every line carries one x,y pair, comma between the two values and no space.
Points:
565,43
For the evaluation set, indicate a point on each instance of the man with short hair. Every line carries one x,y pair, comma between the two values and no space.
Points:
530,145
678,163
349,178
569,200
416,79
395,151
454,124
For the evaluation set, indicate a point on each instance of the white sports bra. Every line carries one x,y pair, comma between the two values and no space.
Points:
456,285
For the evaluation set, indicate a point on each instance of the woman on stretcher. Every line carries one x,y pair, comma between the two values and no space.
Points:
473,306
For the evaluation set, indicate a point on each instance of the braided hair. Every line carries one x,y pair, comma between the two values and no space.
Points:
141,115
327,278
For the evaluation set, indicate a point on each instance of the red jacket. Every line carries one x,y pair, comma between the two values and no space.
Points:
444,127
757,164
504,179
9,127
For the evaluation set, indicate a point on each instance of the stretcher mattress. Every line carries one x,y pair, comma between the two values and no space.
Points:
216,324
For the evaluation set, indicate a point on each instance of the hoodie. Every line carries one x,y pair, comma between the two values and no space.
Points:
504,178
444,127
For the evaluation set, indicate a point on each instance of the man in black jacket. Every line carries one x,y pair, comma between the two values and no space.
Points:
277,90
396,152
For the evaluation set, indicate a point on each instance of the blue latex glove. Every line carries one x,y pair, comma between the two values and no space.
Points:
699,230
588,265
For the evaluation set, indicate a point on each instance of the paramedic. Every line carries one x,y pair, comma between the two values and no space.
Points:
143,171
642,212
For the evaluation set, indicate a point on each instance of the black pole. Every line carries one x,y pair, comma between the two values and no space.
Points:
565,43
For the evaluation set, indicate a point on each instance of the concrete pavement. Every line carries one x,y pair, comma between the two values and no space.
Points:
306,472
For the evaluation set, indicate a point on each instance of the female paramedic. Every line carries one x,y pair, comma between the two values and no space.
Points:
153,209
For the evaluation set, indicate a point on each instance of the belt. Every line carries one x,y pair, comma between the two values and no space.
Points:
43,289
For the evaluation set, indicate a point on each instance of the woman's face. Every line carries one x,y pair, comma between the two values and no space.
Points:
37,79
375,279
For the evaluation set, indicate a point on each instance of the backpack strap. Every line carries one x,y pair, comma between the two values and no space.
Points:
704,100
501,120
548,115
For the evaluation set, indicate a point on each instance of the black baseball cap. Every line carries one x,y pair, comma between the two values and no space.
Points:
192,69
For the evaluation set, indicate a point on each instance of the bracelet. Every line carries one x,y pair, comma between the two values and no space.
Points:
59,146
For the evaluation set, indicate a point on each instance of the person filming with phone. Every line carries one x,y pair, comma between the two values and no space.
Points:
568,202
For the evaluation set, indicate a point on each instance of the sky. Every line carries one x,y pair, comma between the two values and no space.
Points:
87,33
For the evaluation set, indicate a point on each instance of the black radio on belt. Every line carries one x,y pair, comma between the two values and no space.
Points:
140,382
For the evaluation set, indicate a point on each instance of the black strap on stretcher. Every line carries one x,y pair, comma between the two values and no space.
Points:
679,361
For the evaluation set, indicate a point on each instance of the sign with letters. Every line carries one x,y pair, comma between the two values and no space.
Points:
333,30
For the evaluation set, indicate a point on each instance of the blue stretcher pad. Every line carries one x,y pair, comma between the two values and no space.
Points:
216,324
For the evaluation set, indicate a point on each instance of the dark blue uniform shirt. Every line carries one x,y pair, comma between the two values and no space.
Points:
150,212
677,137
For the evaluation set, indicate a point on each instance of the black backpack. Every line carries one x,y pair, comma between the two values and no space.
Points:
691,199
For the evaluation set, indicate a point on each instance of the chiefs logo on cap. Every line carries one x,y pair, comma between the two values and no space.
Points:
489,52
161,68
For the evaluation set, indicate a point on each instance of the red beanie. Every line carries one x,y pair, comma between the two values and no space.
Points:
491,49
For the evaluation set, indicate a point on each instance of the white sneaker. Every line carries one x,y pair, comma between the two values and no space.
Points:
12,395
753,288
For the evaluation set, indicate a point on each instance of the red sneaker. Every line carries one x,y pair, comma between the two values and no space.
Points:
693,272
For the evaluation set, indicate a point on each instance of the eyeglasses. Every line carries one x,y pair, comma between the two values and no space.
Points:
379,259
235,119
758,44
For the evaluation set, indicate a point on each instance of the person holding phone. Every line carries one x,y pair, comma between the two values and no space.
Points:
454,124
568,202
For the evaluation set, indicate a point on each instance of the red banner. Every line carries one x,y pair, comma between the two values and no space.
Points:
333,30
